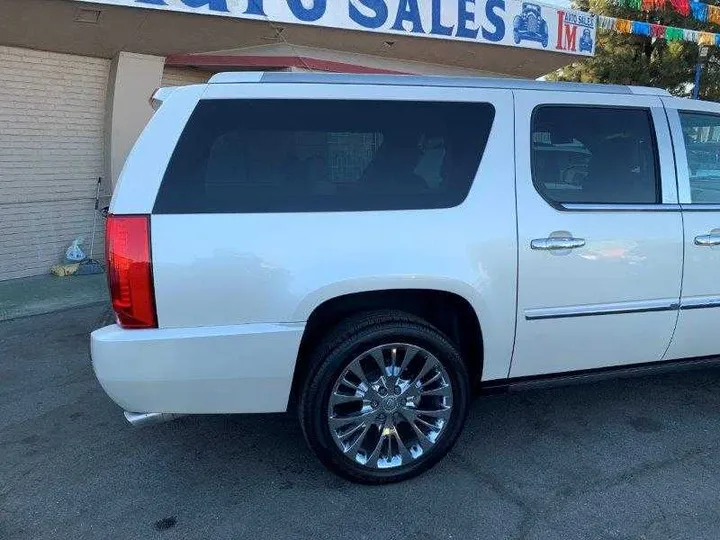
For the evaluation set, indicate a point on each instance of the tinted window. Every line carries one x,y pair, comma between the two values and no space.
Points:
594,155
240,156
702,145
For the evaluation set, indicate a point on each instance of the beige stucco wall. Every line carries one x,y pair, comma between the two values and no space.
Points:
356,59
133,79
180,76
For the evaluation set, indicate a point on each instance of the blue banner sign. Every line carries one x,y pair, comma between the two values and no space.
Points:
502,22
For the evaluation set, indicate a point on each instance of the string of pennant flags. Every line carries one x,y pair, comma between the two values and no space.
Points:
669,33
699,10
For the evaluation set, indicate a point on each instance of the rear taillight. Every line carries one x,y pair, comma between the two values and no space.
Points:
129,261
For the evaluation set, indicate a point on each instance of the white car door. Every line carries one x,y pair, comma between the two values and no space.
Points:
695,127
599,231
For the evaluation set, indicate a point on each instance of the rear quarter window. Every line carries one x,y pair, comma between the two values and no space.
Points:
259,156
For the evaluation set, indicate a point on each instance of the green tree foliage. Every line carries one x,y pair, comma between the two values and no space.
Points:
642,60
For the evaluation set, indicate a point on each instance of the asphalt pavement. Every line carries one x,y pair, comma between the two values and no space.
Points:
625,459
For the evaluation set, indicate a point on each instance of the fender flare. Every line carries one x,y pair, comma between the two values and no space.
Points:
360,285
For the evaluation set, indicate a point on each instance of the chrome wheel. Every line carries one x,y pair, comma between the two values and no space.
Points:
390,406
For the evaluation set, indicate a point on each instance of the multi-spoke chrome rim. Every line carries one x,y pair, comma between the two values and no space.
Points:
390,406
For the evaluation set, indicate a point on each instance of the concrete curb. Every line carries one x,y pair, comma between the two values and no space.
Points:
32,311
39,295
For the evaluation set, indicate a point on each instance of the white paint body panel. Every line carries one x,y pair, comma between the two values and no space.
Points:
145,165
629,256
697,329
223,369
233,291
243,268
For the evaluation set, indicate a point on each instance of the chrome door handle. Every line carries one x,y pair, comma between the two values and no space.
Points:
557,243
707,240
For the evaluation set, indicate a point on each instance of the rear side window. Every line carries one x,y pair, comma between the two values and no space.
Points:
597,155
256,156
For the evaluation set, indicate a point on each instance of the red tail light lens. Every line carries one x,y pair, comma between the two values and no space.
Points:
127,246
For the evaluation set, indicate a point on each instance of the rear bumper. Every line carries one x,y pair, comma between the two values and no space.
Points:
228,369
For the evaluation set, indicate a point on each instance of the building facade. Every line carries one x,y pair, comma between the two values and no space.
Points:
76,78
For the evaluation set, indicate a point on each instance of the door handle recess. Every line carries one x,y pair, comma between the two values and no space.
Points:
707,240
557,243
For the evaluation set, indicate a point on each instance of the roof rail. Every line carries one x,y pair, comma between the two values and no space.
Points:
424,80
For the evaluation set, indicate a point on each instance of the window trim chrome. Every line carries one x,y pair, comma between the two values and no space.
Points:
700,207
589,207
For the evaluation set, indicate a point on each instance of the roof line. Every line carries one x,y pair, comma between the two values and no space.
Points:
431,81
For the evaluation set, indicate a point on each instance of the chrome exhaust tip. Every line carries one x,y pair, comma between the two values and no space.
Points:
150,418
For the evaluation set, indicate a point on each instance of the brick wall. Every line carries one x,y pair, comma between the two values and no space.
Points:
52,110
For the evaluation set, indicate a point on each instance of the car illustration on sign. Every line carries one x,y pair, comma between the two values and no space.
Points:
586,42
530,26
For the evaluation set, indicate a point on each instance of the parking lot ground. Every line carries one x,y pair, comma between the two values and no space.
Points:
637,458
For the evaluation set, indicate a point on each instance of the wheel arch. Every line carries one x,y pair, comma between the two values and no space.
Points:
451,312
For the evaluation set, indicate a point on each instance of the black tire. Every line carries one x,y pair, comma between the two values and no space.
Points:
340,348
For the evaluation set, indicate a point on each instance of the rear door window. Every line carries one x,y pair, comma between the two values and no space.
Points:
702,146
258,156
595,155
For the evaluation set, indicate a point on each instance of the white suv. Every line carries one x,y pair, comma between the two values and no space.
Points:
365,249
